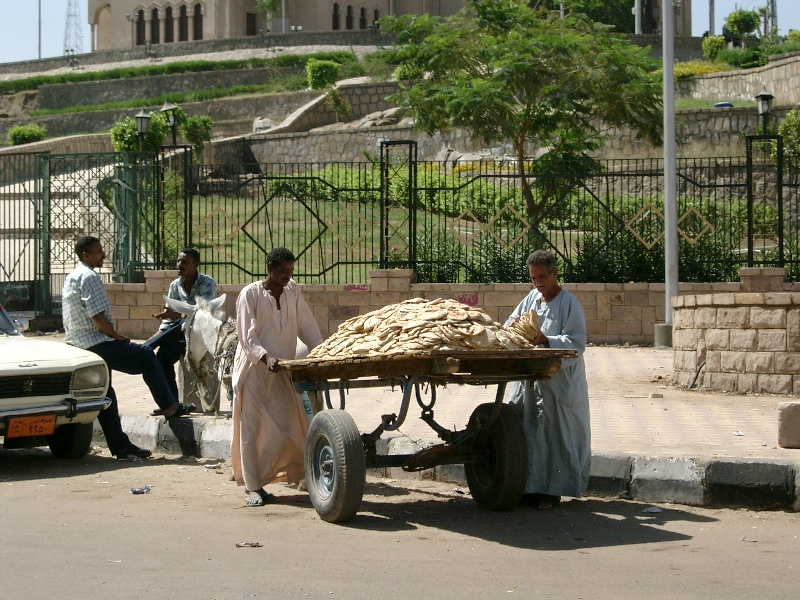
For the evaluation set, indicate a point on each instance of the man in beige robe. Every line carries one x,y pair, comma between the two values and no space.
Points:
269,421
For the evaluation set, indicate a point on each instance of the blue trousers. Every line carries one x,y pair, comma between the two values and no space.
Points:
134,359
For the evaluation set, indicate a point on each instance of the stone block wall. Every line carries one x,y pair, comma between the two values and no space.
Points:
615,313
747,341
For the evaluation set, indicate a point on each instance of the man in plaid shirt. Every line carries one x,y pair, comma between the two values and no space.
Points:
88,324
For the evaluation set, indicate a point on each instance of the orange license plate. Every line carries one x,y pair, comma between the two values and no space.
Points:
29,426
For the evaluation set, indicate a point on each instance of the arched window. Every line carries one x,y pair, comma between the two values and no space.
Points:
169,25
362,19
155,27
141,28
375,16
336,25
183,24
348,19
198,21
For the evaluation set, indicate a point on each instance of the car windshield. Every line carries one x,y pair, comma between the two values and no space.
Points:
6,324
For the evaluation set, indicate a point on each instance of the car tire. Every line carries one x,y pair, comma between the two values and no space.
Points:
71,441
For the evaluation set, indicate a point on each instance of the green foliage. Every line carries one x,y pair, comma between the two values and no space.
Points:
509,73
741,58
379,64
125,137
616,13
712,45
793,37
789,129
321,73
684,70
197,131
26,134
407,72
742,23
338,105
268,6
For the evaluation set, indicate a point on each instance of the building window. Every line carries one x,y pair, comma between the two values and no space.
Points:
183,25
348,20
251,24
155,27
336,16
169,25
362,19
141,28
198,22
375,16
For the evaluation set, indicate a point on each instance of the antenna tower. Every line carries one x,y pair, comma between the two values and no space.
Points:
73,34
772,17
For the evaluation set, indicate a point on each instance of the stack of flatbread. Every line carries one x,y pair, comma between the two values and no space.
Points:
527,325
419,326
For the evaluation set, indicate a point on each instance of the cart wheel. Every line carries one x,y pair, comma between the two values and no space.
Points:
335,467
497,479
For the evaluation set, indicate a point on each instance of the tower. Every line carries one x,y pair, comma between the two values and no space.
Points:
73,34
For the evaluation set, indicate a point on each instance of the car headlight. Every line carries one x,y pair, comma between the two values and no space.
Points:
90,378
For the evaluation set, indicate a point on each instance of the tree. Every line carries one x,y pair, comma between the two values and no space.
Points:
742,23
197,131
125,137
507,72
617,13
268,7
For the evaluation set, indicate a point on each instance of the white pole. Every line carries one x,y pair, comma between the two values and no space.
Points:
40,29
637,16
670,175
710,17
283,16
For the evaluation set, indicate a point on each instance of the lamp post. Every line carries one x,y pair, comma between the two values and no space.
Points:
169,112
142,125
764,103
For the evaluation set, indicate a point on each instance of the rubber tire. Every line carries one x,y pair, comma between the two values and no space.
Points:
335,467
71,441
497,481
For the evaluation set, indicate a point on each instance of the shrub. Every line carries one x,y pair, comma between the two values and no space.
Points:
197,131
789,129
793,37
742,58
712,45
683,70
125,137
26,134
321,73
407,72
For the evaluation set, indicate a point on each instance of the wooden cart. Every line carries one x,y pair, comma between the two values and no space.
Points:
491,447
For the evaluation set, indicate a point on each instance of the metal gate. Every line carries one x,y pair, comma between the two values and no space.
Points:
765,209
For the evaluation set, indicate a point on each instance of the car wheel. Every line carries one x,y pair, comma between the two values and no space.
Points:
335,466
496,479
71,441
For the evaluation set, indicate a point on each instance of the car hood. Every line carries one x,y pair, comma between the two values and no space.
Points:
16,350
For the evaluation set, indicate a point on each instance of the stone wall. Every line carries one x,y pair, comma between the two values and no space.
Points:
77,144
743,341
615,313
780,77
63,95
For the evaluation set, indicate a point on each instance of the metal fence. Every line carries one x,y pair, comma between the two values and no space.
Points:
464,222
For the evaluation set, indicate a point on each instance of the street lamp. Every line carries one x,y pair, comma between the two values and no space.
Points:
169,112
142,125
764,103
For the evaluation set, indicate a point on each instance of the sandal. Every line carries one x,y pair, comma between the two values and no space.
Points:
547,502
261,498
183,410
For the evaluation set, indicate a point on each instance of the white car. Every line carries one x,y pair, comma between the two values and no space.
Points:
50,393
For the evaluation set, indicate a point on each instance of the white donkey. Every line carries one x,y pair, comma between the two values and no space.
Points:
211,342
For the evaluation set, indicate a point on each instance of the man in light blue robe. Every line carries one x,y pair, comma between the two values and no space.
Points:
555,411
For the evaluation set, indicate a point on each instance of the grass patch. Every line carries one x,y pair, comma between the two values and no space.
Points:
700,103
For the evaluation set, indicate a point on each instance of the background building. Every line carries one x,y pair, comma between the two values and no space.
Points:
129,23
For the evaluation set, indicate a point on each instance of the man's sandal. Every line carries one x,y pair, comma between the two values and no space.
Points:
260,498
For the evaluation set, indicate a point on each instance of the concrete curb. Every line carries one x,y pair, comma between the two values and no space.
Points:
756,484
